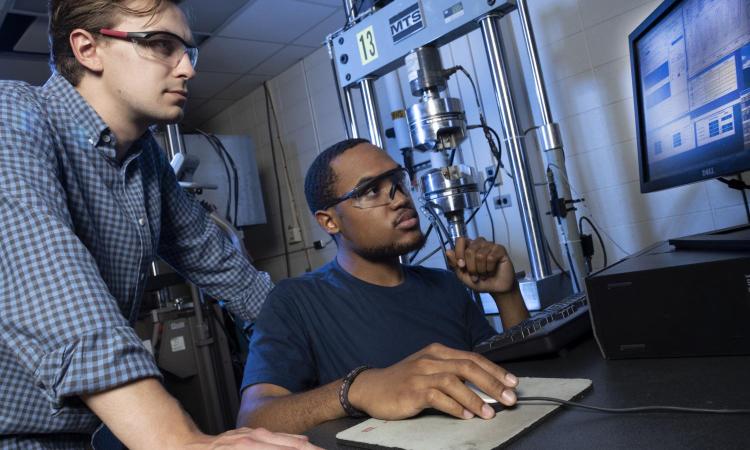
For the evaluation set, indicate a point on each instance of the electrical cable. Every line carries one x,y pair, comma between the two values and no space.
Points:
740,185
599,236
226,169
234,172
293,210
636,409
441,227
426,235
429,255
486,194
574,191
278,183
486,205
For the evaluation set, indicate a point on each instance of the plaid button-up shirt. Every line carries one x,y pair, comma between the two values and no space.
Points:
78,232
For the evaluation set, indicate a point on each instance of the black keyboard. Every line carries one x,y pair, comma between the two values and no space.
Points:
546,331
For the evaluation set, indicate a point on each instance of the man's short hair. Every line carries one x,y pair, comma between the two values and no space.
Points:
90,15
320,178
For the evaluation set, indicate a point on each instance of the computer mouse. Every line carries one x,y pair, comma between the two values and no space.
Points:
497,406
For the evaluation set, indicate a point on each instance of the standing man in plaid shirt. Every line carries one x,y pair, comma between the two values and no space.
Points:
87,201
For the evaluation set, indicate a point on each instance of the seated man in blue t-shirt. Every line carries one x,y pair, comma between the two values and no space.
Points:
364,333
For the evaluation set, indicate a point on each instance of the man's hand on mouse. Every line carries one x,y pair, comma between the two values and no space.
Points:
482,265
433,378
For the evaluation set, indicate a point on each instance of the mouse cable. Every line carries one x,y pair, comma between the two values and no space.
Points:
634,409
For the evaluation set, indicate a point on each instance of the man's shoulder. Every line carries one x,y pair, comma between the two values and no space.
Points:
19,96
305,283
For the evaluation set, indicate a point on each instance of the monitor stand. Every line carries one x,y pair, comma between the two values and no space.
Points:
726,239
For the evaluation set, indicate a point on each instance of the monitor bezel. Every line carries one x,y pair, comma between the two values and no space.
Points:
648,184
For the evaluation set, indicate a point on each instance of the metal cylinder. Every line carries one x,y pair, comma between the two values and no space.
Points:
527,206
552,144
396,108
452,188
174,141
425,70
437,123
371,112
352,119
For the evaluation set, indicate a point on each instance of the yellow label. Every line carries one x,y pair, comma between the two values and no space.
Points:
368,49
399,114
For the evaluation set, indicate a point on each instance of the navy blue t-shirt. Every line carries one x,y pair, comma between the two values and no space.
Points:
315,328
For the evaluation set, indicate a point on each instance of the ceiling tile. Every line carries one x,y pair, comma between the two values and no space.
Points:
208,84
34,71
34,40
282,59
276,20
316,36
242,87
234,55
206,17
36,6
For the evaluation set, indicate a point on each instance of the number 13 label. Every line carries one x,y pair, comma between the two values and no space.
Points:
368,50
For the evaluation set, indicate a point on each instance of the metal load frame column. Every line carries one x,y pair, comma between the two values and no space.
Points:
527,205
371,112
554,155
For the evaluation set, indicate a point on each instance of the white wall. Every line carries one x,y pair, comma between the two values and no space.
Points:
584,55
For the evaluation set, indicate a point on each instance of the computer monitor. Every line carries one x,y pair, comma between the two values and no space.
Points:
690,63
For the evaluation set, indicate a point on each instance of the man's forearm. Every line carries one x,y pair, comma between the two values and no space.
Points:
291,413
511,307
144,416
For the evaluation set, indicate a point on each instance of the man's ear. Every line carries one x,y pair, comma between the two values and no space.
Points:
85,48
327,221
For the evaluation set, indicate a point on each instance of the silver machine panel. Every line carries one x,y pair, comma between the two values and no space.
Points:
377,44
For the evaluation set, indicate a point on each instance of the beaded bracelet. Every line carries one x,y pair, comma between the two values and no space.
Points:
344,392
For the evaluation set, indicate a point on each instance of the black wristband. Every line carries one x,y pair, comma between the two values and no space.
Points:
344,392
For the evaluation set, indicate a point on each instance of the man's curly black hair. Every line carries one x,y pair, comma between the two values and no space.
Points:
320,178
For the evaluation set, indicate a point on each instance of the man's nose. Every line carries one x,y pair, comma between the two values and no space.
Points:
185,67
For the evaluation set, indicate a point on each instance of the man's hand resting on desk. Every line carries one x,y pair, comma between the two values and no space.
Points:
433,378
249,439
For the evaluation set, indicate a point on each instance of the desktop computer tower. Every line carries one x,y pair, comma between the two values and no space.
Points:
663,302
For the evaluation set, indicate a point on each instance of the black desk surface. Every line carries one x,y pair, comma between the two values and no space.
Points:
707,382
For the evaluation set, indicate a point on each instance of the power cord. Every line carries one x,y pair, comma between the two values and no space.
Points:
637,409
278,181
599,236
741,186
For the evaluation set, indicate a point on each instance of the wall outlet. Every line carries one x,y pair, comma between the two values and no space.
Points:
489,172
293,235
502,201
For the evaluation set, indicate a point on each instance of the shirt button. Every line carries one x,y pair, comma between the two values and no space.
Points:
106,138
141,221
143,275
